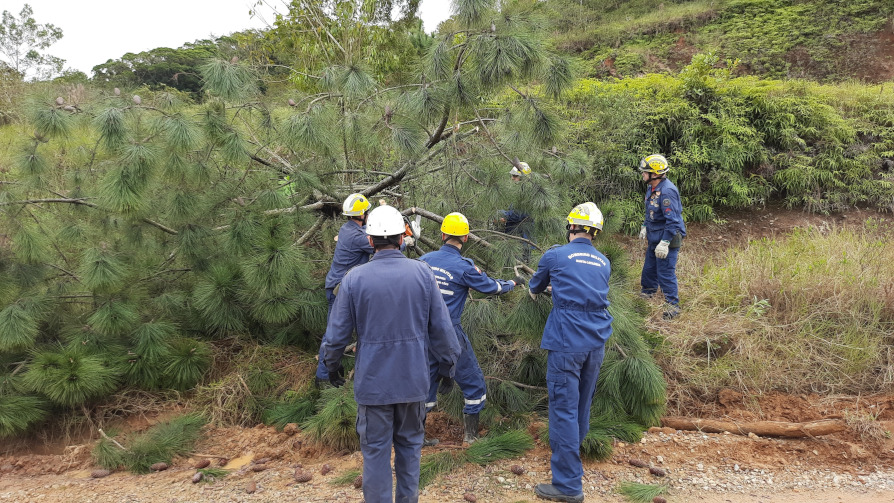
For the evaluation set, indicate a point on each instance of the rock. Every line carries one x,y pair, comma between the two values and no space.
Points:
198,477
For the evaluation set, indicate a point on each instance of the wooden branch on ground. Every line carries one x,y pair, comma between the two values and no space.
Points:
759,428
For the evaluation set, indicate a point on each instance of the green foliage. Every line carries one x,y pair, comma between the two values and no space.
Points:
640,493
345,478
68,377
159,443
294,408
437,464
18,413
334,424
494,448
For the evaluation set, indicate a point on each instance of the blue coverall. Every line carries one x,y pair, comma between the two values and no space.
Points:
575,335
351,249
394,304
663,220
455,275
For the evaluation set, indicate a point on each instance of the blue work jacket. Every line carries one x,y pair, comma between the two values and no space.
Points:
351,249
456,274
664,212
394,304
578,273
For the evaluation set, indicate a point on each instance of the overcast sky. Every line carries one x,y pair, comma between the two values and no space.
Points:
95,31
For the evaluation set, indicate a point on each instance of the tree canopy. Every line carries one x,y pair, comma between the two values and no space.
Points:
22,42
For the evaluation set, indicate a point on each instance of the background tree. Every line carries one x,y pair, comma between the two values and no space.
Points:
22,42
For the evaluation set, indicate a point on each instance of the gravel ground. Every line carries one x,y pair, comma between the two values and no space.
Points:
699,467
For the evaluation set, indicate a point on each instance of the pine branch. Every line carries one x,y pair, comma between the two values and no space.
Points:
310,232
520,385
510,236
84,202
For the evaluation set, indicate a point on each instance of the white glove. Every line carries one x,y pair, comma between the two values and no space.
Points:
409,241
661,249
642,232
416,228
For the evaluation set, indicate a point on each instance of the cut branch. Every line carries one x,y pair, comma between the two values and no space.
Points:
760,428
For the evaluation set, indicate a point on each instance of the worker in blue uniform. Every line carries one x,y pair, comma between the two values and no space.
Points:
395,306
352,248
456,275
574,336
663,230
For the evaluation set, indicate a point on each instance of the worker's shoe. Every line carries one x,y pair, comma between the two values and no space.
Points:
320,383
430,442
670,312
549,492
470,427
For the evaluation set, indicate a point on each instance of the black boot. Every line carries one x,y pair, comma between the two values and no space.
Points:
549,492
470,425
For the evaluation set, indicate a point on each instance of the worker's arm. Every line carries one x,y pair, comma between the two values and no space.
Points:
340,329
541,279
445,348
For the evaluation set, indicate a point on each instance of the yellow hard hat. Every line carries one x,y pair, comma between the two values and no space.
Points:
355,205
455,224
655,163
586,214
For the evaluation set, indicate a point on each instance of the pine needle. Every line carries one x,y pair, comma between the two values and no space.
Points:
640,493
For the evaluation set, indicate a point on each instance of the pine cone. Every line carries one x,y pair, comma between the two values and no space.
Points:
158,467
258,468
516,469
302,476
203,464
470,497
658,472
658,499
251,487
325,469
638,463
358,482
98,474
137,99
60,100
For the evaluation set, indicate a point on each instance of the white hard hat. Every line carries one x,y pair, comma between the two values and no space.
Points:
385,221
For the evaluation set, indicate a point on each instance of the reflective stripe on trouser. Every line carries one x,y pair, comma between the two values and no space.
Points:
661,272
571,382
322,372
380,427
468,376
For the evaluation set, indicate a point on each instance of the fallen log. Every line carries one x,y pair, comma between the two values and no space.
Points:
759,428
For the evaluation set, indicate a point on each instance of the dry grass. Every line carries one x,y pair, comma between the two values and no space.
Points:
810,312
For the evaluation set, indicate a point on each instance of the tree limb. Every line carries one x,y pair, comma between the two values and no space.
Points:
760,428
84,202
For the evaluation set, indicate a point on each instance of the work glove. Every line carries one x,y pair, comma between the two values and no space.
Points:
520,281
445,382
642,232
410,241
416,228
337,378
661,249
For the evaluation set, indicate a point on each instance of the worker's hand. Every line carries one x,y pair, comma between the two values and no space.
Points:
661,249
410,241
337,378
518,280
416,228
445,384
642,232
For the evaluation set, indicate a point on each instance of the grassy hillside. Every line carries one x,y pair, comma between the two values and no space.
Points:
813,39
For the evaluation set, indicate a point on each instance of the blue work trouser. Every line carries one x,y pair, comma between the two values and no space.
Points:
661,272
571,382
322,372
468,376
380,427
